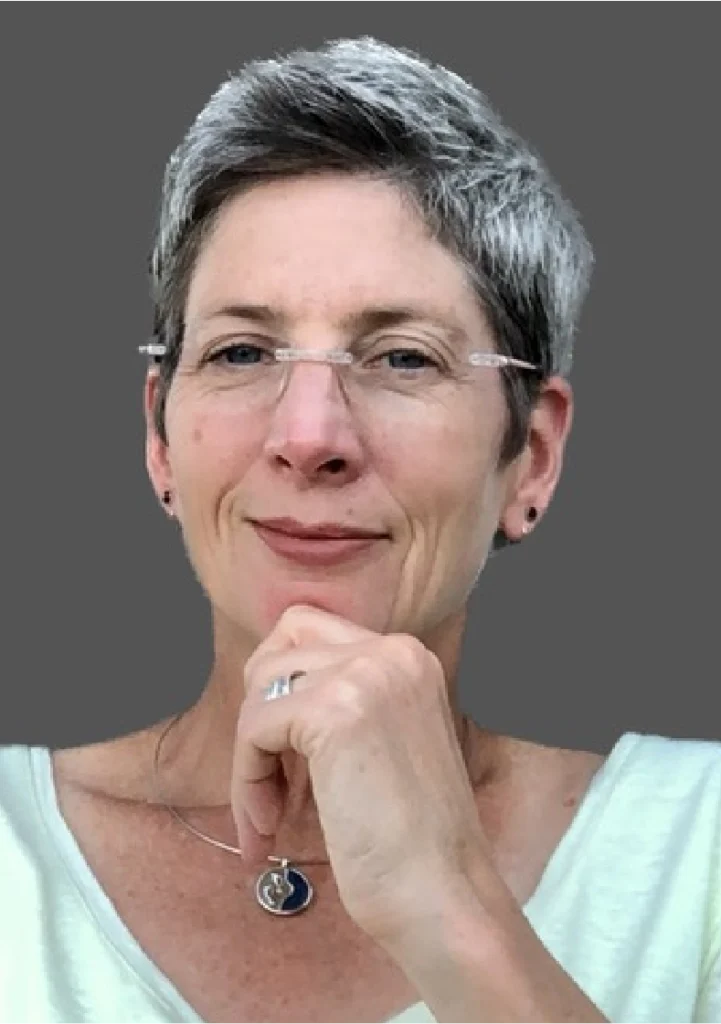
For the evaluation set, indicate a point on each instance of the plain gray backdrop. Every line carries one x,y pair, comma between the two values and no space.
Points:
606,620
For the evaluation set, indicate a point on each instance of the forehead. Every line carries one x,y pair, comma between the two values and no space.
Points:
323,248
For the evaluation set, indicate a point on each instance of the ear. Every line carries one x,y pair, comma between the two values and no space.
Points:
535,473
156,451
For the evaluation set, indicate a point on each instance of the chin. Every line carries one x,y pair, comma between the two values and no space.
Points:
339,599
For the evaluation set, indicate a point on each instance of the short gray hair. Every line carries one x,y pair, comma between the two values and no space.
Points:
364,107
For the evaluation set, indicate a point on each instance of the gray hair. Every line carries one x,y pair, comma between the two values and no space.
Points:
363,107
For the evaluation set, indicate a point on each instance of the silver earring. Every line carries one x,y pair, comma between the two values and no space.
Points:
166,502
531,517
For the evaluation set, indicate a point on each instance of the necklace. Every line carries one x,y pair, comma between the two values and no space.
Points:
282,890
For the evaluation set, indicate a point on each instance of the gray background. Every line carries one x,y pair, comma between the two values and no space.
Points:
607,619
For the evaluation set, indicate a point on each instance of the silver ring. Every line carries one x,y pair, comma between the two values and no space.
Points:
281,687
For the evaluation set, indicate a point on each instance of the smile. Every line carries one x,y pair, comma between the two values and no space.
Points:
319,550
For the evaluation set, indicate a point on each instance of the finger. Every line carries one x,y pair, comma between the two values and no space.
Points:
253,846
303,624
292,663
266,730
259,813
257,797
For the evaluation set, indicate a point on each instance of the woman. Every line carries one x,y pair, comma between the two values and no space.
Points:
366,291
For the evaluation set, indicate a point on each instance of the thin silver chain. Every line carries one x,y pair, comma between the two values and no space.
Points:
191,828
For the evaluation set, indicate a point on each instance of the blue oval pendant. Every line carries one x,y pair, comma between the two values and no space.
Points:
283,890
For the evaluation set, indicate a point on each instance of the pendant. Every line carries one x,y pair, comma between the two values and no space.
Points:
283,890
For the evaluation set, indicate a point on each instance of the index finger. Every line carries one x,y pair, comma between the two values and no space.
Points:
300,624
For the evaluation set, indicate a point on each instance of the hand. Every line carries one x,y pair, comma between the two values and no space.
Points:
371,718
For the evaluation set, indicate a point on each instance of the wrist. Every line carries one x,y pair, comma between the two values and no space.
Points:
478,959
443,916
461,968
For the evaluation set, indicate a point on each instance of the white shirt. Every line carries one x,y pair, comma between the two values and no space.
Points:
630,902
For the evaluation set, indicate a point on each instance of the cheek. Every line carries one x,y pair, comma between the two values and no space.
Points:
209,450
456,468
446,484
467,481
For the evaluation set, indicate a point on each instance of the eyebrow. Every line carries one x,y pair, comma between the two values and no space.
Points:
364,321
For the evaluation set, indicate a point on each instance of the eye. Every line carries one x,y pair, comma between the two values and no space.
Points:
409,359
238,353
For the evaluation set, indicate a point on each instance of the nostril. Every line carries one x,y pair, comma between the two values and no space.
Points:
336,465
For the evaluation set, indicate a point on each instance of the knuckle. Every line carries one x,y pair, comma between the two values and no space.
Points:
293,613
410,650
419,663
349,698
298,615
287,621
365,665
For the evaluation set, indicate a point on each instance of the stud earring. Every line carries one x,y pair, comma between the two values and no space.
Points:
531,517
166,501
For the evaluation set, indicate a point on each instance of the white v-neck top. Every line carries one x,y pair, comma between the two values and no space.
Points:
629,904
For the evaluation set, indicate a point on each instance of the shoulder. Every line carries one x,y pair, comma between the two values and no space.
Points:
16,776
115,768
669,766
652,778
658,799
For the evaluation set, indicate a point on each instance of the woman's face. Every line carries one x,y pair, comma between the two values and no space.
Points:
303,263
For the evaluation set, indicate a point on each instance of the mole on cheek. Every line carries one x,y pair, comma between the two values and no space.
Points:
197,435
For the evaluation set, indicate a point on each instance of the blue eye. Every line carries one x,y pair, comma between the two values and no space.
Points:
408,359
396,360
246,354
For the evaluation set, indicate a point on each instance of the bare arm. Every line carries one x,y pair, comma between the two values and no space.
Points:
480,960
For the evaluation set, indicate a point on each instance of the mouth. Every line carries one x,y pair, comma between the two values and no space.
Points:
318,531
318,544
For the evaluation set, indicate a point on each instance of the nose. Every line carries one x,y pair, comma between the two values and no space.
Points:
312,435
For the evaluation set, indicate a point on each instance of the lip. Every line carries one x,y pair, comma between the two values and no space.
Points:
317,531
314,550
